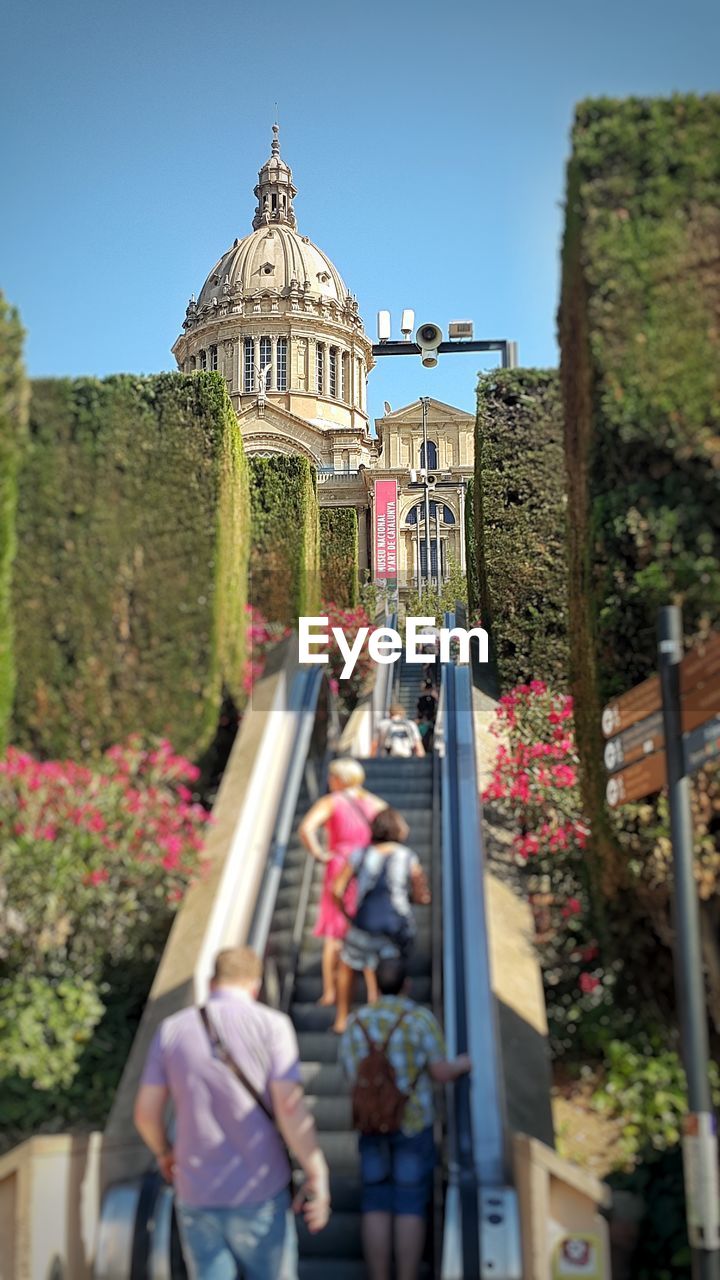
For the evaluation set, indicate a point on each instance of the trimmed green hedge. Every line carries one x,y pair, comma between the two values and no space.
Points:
339,555
471,559
641,382
285,554
13,428
130,579
519,502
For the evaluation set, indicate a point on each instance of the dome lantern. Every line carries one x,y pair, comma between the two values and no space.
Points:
275,190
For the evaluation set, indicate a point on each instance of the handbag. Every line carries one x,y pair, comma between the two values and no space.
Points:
223,1053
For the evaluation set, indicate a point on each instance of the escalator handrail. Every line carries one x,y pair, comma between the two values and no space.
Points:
304,700
384,682
476,1106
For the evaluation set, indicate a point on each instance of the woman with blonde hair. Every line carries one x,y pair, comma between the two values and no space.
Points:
346,813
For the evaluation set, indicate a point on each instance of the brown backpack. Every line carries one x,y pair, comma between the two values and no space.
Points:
378,1104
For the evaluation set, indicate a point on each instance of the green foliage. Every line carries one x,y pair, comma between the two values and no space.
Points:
644,1086
93,864
13,427
130,579
519,511
471,559
339,555
641,386
285,553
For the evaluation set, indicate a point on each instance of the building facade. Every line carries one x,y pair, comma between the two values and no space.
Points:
275,317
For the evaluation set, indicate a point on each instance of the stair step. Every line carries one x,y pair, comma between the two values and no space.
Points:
340,1240
332,1115
308,989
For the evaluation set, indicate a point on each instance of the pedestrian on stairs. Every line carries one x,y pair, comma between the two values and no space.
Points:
389,880
392,1052
398,735
232,1071
345,813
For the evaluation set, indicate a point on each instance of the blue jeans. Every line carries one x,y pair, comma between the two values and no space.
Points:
397,1172
258,1241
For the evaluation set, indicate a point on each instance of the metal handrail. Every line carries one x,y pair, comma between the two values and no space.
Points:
482,1234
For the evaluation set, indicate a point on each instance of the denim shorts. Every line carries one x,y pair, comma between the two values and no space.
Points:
397,1172
257,1241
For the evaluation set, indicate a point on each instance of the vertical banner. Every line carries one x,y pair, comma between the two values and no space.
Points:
385,539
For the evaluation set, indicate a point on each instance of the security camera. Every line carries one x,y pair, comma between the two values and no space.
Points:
408,322
428,337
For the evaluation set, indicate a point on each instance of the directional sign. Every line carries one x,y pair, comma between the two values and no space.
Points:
638,780
634,705
702,664
702,745
700,703
639,740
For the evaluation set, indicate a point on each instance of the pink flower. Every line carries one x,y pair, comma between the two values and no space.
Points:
48,832
572,907
98,877
588,983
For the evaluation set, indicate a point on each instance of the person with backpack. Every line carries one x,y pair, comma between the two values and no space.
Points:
398,736
389,880
392,1053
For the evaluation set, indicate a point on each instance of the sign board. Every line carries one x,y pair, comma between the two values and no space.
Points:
700,1170
578,1257
385,531
702,664
638,703
638,780
702,745
639,740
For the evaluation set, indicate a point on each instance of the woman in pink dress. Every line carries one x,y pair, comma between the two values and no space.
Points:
346,813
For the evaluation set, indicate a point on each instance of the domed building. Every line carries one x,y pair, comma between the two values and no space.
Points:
277,319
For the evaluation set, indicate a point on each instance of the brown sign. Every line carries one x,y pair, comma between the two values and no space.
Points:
636,704
639,740
638,780
702,664
699,690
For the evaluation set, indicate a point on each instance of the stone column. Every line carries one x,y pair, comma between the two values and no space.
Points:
312,364
239,365
461,531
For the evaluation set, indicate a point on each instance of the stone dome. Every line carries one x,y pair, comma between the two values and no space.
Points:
278,259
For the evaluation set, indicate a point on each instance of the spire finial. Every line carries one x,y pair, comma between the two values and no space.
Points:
275,149
275,190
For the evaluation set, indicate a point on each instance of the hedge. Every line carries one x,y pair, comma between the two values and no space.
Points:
641,384
339,555
471,560
519,502
13,427
285,552
130,580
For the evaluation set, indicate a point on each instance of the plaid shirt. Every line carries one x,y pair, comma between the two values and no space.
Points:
416,1044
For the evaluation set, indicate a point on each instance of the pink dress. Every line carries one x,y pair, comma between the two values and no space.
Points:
346,831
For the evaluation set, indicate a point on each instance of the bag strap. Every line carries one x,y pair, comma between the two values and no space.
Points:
366,1033
227,1059
391,1032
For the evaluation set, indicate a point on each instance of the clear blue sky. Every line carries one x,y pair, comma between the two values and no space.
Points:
428,142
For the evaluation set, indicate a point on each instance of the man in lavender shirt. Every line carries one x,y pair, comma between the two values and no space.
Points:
228,1162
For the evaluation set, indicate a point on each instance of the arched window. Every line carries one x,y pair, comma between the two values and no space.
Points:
213,357
320,368
265,352
418,513
432,456
203,359
345,388
333,372
249,364
281,371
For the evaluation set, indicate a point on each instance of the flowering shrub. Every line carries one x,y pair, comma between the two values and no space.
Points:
93,864
350,621
261,637
535,785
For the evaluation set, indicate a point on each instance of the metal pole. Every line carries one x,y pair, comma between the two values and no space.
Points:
419,562
424,403
700,1155
437,542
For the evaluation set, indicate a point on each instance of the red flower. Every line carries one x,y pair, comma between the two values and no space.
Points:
588,983
98,877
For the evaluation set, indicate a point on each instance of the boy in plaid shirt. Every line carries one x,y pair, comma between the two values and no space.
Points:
397,1168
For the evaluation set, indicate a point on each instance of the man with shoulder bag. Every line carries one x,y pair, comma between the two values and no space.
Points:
392,1052
232,1072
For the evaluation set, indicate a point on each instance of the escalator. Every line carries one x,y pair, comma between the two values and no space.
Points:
408,786
476,1232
